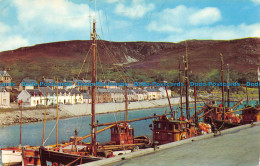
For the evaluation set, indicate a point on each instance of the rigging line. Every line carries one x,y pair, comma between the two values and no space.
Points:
50,133
109,54
84,61
98,55
117,67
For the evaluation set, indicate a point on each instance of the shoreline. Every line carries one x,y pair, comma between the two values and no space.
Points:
12,118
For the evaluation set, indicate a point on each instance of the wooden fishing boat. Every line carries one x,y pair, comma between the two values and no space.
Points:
11,156
31,156
250,114
166,130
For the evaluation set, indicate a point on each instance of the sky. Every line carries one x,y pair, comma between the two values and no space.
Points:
31,22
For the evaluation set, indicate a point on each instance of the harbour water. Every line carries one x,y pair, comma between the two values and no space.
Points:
32,133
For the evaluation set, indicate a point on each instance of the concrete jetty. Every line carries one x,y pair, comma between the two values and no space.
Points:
236,146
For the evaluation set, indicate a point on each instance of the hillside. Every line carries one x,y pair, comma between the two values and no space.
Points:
144,60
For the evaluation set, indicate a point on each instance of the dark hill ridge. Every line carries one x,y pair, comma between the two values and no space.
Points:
65,58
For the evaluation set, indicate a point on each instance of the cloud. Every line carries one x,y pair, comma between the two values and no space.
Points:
205,16
181,17
182,23
61,13
137,9
256,2
10,41
4,28
219,32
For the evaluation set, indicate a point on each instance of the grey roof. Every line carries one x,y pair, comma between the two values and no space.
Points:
33,92
101,90
74,91
4,73
152,90
43,90
115,91
2,89
29,81
138,91
86,96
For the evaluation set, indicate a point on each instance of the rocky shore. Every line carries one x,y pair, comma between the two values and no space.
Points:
8,118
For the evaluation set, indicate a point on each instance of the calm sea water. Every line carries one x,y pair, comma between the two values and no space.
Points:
32,133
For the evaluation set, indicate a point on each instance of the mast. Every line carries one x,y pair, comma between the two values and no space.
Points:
195,100
44,119
246,96
228,100
186,83
57,116
222,80
180,85
172,112
93,126
21,123
258,74
126,103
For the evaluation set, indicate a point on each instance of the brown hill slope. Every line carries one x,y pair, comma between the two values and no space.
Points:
64,59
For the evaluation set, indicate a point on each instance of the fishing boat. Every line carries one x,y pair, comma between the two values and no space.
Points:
13,155
166,130
220,116
252,114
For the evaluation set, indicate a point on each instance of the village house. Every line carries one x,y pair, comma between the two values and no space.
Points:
47,94
30,97
75,96
28,84
5,77
4,97
87,98
82,85
140,95
103,95
153,93
163,92
117,95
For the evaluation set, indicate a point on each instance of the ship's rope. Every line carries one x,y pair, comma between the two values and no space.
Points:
50,133
84,61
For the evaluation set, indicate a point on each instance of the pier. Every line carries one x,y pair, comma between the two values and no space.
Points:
235,146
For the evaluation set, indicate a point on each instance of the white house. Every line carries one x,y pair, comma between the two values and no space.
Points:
31,97
163,92
4,97
153,93
28,84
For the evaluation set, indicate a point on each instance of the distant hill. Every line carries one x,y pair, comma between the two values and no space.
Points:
143,60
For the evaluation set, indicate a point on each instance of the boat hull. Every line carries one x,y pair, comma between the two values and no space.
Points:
63,158
31,156
11,156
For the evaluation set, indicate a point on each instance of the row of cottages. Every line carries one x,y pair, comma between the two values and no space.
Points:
118,95
4,97
34,97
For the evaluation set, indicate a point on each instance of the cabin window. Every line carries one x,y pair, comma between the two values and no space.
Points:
176,126
122,130
159,125
170,127
164,126
183,126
